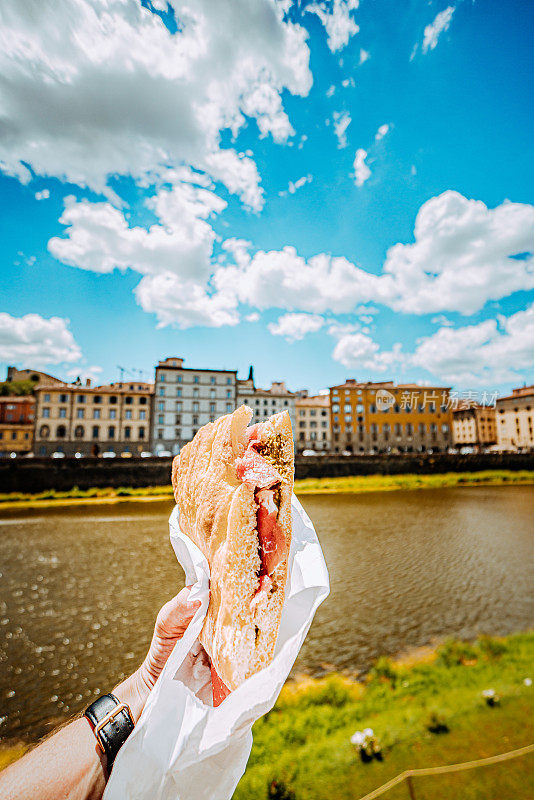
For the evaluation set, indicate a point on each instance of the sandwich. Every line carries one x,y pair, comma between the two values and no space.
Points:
233,485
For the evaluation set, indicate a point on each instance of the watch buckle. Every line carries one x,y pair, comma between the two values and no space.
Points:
110,716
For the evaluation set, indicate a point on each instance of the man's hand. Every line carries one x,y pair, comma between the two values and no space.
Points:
171,624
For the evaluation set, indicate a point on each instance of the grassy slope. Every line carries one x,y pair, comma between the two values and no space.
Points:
304,741
352,485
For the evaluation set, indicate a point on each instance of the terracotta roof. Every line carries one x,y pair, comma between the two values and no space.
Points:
321,400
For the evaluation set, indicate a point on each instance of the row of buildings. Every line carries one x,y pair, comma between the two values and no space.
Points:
133,417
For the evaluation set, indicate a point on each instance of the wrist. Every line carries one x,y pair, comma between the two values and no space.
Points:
134,692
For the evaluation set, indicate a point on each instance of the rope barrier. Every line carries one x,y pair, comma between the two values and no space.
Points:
423,771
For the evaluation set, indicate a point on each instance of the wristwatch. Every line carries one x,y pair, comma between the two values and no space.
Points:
111,722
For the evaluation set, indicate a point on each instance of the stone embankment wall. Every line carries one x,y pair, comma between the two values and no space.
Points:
40,474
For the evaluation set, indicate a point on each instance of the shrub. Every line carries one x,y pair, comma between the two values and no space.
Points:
491,647
453,652
384,669
436,722
277,790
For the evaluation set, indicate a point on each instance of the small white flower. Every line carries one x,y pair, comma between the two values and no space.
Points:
488,693
368,732
357,738
528,681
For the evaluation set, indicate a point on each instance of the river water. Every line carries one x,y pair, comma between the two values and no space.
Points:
80,587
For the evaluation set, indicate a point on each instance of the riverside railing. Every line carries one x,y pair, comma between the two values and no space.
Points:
408,774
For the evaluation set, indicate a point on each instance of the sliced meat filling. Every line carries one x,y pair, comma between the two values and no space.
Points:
260,476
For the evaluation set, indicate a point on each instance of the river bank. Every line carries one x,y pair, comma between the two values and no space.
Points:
357,484
425,711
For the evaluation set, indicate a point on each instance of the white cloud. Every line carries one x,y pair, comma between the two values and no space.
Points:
436,28
283,279
295,326
298,184
364,55
381,132
462,256
144,99
441,319
356,350
83,372
185,303
33,341
348,82
254,317
361,170
490,351
42,195
331,91
342,120
337,18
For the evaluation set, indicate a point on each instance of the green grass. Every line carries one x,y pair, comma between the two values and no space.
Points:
304,741
355,484
350,485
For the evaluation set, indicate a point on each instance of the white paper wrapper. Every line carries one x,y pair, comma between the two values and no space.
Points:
184,749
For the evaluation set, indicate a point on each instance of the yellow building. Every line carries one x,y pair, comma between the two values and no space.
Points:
15,438
474,426
91,420
382,417
515,418
313,422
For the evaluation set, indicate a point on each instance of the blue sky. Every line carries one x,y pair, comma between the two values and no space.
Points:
242,184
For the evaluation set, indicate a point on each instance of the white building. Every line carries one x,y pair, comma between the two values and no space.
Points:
265,402
185,399
313,419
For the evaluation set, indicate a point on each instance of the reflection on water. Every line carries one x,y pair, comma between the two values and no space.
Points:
80,587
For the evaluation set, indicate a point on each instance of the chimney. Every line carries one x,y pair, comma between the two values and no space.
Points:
88,382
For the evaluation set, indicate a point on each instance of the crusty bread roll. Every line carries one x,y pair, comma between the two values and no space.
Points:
219,512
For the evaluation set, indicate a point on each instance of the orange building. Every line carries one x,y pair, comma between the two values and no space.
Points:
383,417
16,424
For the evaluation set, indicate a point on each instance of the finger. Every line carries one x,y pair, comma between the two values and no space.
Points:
176,615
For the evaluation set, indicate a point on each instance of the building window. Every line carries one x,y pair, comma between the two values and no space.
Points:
409,429
141,433
81,398
228,406
177,433
178,419
160,419
128,413
97,398
160,434
196,379
162,377
142,401
212,392
111,432
212,379
195,420
422,429
44,432
302,436
142,414
95,431
62,413
96,413
229,395
179,378
398,429
127,432
62,398
78,432
46,413
212,408
195,406
46,398
162,391
195,392
113,399
80,413
228,381
372,408
14,434
178,393
61,432
128,401
445,428
113,413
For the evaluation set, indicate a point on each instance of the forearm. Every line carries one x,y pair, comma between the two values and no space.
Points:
69,764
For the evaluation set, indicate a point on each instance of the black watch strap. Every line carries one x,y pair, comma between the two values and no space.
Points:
111,722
